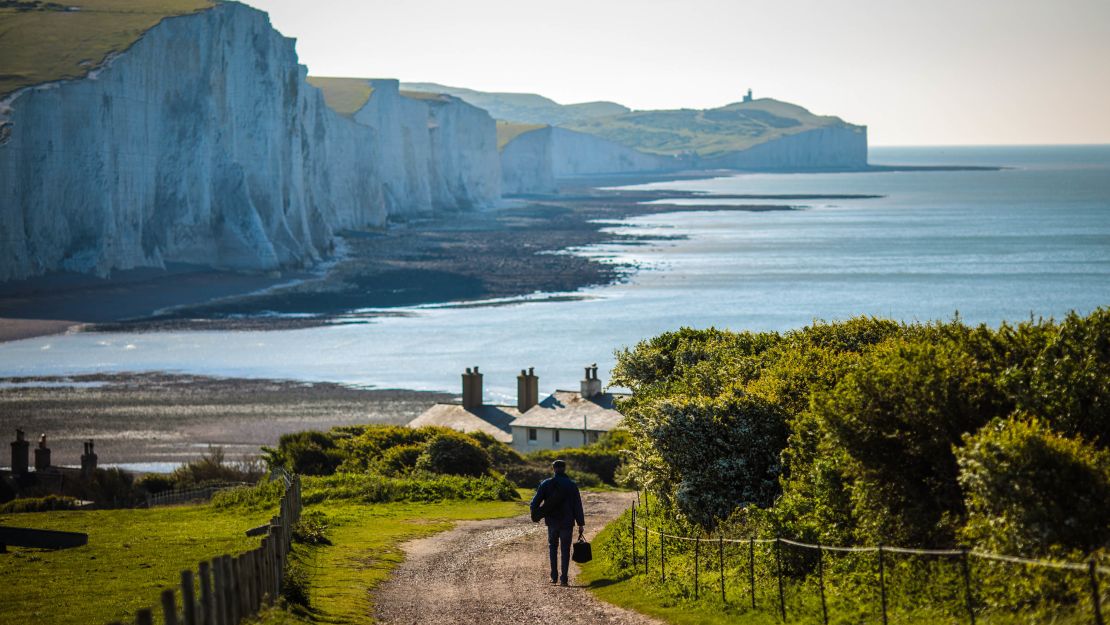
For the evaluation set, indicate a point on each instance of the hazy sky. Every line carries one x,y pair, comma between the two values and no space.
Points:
916,72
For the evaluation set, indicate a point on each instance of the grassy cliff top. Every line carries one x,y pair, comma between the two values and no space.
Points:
507,131
344,95
421,95
529,108
708,132
46,41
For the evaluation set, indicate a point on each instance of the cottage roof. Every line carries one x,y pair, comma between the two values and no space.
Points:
568,410
493,420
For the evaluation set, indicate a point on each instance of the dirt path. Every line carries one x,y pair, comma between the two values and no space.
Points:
495,572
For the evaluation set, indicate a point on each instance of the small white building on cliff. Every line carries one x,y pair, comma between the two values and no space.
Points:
563,419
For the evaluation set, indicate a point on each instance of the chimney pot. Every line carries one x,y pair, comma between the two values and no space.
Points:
527,390
20,453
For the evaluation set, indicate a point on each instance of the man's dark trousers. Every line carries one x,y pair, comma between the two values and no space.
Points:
558,540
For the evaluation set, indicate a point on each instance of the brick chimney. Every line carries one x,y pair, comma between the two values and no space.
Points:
88,460
472,389
527,389
42,455
20,453
591,386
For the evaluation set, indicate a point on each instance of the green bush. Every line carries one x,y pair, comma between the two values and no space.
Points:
38,504
155,483
601,462
399,460
306,453
454,454
368,488
1031,491
363,452
528,475
312,529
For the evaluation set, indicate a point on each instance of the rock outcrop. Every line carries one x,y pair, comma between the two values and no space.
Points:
203,143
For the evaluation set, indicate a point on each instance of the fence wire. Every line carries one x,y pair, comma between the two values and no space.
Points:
803,579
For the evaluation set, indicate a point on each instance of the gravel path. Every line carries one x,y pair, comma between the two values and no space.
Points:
495,572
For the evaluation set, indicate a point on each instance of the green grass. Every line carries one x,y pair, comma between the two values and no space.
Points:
344,95
507,131
44,45
421,95
131,557
710,132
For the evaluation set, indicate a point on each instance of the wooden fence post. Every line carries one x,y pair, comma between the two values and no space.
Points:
144,617
188,599
968,598
821,584
634,532
662,555
721,559
882,584
228,584
1096,595
697,552
219,615
206,595
169,608
751,568
645,545
778,570
279,563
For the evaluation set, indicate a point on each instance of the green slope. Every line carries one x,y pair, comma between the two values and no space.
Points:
46,41
708,132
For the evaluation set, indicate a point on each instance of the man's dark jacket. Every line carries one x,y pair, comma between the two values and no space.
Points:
571,509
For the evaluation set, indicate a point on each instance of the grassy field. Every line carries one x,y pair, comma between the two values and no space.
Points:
47,42
507,131
344,95
709,132
131,556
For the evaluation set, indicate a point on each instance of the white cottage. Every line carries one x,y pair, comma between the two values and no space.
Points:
564,419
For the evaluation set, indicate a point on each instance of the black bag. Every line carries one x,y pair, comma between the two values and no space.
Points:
582,551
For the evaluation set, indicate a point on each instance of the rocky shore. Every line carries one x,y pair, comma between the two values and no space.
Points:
511,251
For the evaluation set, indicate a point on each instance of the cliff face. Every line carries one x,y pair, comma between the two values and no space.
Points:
526,165
578,154
203,143
532,161
832,148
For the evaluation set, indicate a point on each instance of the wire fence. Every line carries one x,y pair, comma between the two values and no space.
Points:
811,582
229,589
188,495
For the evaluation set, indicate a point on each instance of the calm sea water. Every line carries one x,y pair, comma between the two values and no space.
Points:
993,245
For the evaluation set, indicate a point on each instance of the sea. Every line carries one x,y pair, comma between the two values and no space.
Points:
1026,241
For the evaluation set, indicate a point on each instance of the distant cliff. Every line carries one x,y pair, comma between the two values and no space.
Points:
203,143
533,160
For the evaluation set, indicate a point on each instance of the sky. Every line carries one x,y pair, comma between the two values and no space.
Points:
924,72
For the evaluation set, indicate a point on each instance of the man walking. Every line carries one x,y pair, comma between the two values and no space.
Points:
558,501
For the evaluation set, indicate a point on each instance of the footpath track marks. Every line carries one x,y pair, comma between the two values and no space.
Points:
494,572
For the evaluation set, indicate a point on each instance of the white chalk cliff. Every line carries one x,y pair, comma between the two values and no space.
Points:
203,143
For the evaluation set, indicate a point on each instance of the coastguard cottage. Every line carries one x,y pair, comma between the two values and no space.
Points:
563,419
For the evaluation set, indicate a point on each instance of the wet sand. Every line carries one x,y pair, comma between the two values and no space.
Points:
162,418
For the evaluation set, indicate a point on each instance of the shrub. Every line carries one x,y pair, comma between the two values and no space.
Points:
364,451
401,459
378,489
262,496
306,453
528,475
214,467
312,529
897,416
155,483
38,504
1031,491
601,462
454,454
500,454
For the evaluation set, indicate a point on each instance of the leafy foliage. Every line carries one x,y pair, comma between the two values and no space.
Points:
1033,491
868,430
454,454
